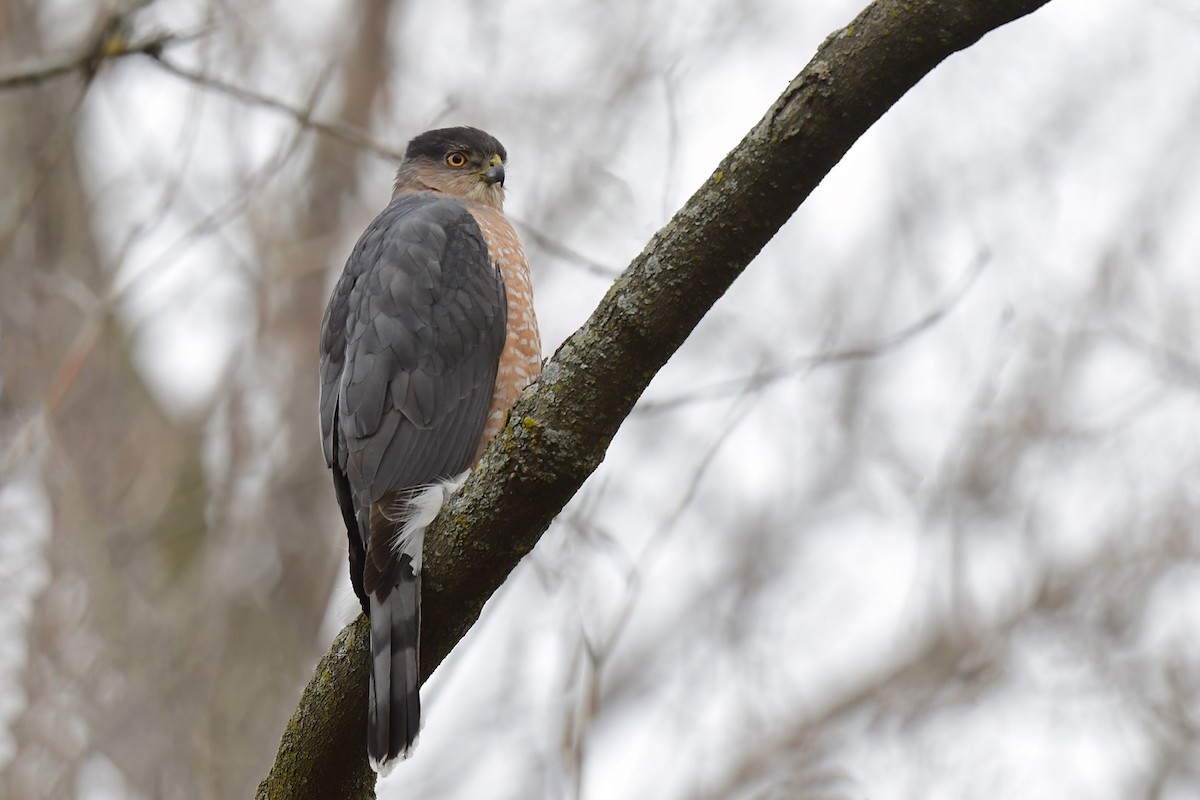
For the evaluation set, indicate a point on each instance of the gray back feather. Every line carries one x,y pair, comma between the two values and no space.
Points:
410,345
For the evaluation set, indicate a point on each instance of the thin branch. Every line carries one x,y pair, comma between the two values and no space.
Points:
110,44
761,379
936,658
568,254
1174,364
303,116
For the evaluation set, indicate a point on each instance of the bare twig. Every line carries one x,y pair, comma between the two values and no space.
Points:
938,658
110,44
568,254
762,379
303,116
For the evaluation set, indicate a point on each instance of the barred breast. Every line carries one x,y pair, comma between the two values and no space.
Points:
521,360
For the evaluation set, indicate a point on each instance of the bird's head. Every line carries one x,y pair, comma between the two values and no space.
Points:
461,162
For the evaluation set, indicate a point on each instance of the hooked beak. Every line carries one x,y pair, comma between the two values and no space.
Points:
495,173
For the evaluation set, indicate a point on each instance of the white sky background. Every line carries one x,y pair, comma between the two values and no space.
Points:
1052,170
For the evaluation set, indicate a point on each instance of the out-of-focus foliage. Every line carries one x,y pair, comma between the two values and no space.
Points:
913,513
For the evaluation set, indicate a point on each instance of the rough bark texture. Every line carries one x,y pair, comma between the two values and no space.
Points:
561,427
324,748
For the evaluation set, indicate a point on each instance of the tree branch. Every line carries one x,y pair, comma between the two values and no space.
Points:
348,134
112,41
324,748
863,352
559,430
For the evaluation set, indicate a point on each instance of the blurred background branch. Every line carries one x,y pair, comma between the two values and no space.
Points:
910,513
113,40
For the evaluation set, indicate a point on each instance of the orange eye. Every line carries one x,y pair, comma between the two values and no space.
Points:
456,159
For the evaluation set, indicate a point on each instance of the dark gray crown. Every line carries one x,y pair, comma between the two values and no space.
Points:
438,143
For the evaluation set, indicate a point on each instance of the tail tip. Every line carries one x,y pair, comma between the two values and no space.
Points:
384,766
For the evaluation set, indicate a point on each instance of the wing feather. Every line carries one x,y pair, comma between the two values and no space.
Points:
409,350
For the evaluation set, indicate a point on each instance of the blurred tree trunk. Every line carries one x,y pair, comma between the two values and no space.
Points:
179,681
292,292
63,353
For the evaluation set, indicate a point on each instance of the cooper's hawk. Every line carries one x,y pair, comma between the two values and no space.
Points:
428,338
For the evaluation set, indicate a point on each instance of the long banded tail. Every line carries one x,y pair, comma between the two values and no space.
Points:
394,713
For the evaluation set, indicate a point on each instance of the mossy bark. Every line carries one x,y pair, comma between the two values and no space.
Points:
323,752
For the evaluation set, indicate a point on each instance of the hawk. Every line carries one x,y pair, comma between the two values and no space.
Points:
428,339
